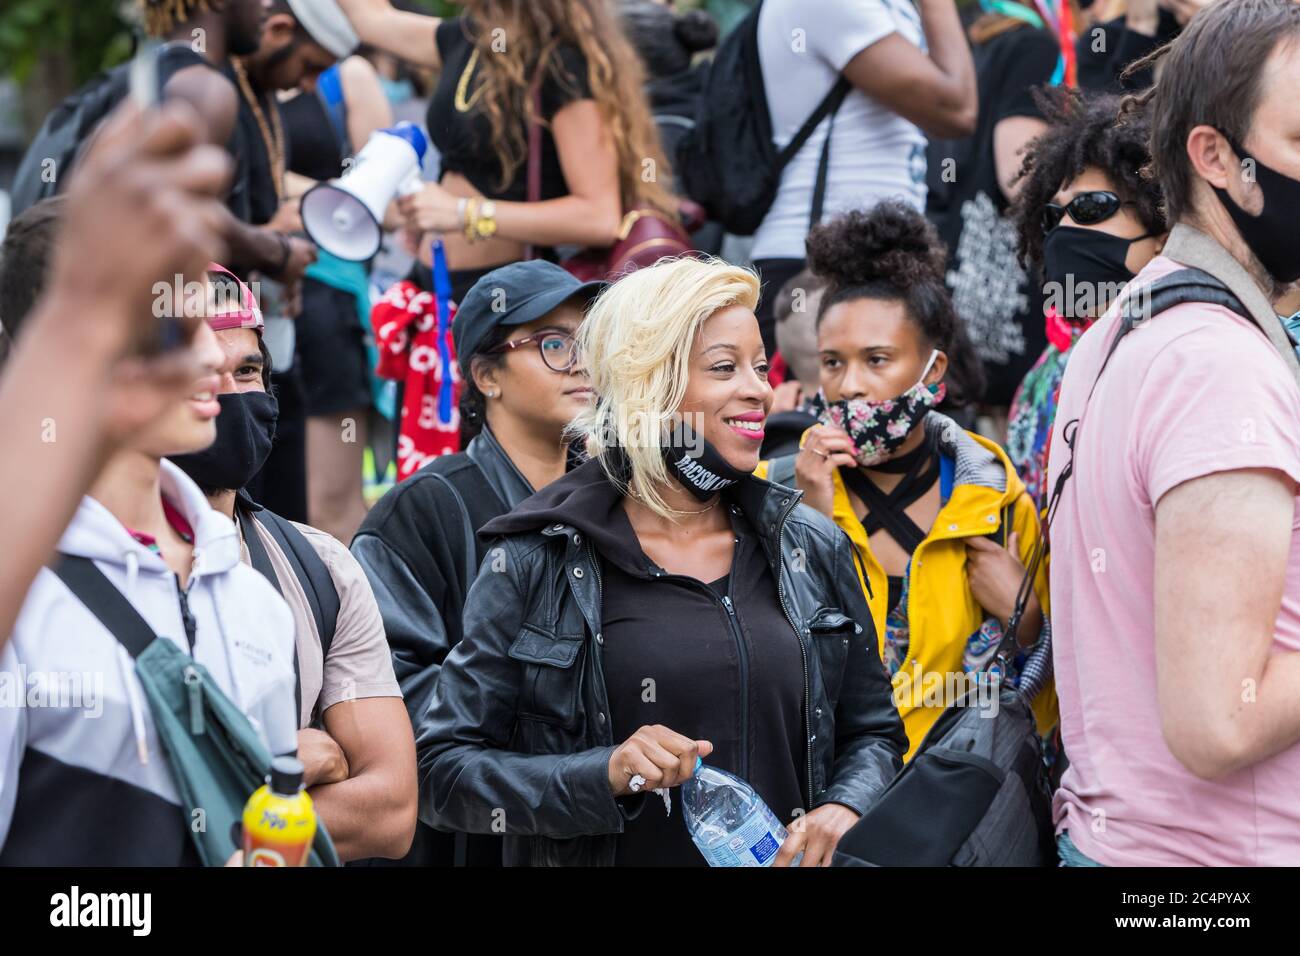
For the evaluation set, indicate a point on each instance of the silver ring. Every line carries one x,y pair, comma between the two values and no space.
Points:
636,783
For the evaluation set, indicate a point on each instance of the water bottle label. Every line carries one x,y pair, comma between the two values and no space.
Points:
754,844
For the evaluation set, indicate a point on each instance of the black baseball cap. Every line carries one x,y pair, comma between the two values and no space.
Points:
516,294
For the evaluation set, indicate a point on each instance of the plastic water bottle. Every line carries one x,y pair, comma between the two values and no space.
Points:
728,821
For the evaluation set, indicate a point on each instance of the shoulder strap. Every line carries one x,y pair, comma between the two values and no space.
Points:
329,86
470,550
836,99
261,560
1141,305
312,574
93,588
829,105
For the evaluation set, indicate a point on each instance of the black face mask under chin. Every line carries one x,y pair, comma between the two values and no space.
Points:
696,464
245,430
1271,234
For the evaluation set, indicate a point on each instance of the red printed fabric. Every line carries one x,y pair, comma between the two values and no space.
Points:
416,350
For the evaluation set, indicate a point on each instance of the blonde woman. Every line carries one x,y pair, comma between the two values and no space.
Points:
660,603
564,65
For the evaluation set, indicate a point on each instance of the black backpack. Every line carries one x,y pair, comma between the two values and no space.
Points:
728,163
975,792
54,152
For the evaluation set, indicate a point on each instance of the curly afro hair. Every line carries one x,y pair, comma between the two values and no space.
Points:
892,253
1084,131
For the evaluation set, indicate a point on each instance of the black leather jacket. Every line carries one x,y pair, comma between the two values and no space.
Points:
516,739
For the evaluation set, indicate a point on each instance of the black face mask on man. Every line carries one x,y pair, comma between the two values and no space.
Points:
245,430
1271,234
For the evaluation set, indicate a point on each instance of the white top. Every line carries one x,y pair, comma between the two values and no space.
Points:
69,690
803,46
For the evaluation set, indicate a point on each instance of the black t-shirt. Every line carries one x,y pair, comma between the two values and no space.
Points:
1000,303
671,656
464,136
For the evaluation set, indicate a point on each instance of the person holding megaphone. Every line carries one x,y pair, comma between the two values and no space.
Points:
543,126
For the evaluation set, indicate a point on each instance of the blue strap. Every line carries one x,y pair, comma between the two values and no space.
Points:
330,89
442,289
947,466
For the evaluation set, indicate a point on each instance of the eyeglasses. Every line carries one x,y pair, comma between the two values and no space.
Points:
559,350
1087,209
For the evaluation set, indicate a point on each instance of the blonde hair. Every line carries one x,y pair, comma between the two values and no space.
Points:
636,345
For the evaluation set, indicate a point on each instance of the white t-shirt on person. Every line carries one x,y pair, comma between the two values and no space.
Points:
803,47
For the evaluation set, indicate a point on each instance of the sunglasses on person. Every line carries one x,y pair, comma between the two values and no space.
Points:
559,350
1087,209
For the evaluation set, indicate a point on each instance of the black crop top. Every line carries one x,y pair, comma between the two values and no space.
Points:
464,138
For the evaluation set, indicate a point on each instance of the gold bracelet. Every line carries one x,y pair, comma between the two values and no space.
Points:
471,219
486,224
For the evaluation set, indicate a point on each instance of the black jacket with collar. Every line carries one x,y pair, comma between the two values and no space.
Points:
517,737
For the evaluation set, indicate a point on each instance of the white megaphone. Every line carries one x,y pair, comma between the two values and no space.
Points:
345,216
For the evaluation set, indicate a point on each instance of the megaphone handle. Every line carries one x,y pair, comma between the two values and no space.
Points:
411,185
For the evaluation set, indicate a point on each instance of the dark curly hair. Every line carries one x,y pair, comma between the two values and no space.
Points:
892,253
1083,132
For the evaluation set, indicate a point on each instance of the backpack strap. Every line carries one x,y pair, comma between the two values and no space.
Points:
329,87
93,589
829,105
1141,305
261,561
311,572
835,100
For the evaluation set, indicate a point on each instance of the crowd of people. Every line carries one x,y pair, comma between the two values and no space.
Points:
996,398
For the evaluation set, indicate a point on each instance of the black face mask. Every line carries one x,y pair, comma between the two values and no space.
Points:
1271,234
245,430
1090,255
697,465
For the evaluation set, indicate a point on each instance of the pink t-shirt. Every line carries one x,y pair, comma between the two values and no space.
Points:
1194,391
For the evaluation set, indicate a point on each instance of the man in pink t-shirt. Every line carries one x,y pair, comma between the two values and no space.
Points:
1176,548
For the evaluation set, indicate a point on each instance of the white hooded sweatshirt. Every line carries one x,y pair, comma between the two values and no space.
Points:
82,778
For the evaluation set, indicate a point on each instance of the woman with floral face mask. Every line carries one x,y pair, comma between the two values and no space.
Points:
939,519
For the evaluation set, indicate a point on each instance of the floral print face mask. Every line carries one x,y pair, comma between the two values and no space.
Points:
877,429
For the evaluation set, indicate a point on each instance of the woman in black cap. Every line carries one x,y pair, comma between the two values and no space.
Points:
522,384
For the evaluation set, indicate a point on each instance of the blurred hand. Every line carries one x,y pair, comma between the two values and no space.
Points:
432,209
826,449
288,217
322,759
816,835
144,208
664,758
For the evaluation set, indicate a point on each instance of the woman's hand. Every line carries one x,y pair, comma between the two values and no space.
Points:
662,757
826,449
432,209
815,835
995,574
